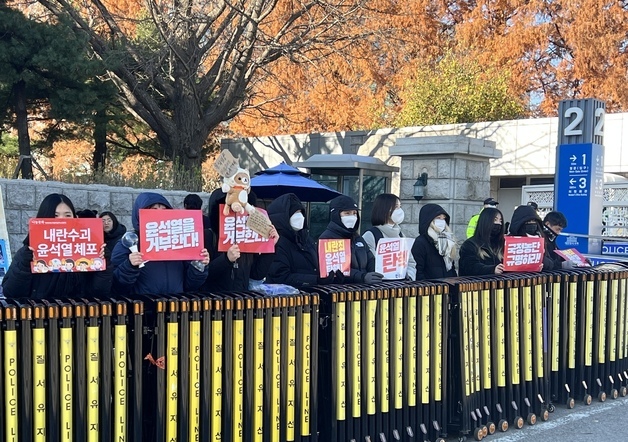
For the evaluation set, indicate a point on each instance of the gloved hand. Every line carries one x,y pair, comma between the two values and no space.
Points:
373,277
326,280
27,258
339,277
567,264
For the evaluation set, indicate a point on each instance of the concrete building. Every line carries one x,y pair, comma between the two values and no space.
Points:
465,163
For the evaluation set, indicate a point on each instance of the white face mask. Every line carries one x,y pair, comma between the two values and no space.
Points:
349,221
397,216
439,225
296,221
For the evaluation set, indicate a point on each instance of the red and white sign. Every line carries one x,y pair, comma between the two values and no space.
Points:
66,244
392,256
171,235
573,255
233,230
334,254
523,254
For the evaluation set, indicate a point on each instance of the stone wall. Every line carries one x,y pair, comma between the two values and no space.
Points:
21,200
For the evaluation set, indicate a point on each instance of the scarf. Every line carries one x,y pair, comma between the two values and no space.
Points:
445,244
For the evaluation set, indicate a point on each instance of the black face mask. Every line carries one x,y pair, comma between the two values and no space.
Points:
496,230
532,229
549,233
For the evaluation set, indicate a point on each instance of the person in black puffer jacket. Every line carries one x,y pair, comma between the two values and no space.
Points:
435,249
344,224
296,259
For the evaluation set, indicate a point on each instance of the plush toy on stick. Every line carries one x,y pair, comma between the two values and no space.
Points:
236,183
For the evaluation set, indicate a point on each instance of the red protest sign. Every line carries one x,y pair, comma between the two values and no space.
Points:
171,235
66,244
573,255
523,254
234,230
334,254
392,256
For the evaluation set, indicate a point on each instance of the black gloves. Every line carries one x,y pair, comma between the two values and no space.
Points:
329,279
373,278
339,277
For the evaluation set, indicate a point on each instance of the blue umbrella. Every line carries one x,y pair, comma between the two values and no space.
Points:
281,179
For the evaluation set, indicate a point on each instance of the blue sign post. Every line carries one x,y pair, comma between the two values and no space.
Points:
579,182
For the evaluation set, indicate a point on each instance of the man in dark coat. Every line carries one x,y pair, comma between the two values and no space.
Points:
434,250
296,259
344,224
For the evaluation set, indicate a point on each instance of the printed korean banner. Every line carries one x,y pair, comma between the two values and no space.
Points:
392,256
233,230
171,235
523,254
66,244
4,259
334,254
573,255
5,248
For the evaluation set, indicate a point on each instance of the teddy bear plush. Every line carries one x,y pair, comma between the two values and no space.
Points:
237,188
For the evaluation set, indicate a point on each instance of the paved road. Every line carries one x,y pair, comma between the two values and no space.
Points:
606,422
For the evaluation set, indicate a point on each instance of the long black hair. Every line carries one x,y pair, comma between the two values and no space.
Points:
49,205
482,236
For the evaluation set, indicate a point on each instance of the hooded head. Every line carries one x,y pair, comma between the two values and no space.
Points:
143,201
427,214
280,211
213,207
343,203
520,217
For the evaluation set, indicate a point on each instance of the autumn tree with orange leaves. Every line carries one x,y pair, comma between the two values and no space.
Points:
185,67
549,50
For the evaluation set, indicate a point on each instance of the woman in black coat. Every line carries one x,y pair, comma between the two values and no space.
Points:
483,253
435,249
296,258
344,224
19,282
526,222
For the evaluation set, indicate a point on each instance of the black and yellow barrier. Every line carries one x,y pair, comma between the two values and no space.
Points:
202,367
383,362
589,334
498,353
398,361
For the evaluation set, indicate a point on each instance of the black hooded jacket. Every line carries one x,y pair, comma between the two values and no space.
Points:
296,259
362,260
520,217
114,235
223,274
429,263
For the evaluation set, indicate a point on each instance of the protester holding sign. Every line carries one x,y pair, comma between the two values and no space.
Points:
386,216
553,225
483,253
295,260
435,249
344,224
526,222
233,268
154,277
22,281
